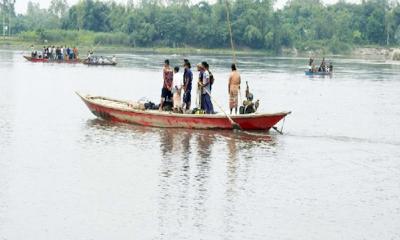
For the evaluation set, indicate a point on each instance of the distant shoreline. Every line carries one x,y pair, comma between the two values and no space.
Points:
371,52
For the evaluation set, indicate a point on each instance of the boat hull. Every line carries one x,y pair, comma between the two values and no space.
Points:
99,64
123,113
308,73
46,60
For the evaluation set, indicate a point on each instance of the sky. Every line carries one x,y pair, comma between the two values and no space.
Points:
20,5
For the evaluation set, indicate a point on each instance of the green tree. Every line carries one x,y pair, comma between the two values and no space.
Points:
58,7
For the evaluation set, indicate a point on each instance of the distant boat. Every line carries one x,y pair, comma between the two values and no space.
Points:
87,62
123,111
308,73
46,60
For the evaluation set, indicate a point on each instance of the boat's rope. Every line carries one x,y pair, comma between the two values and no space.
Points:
283,124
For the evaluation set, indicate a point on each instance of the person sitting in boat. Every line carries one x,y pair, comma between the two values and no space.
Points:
114,59
310,61
166,94
187,85
206,89
234,88
248,105
101,60
176,92
330,67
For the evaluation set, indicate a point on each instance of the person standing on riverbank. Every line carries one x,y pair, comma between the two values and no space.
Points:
234,88
168,75
187,85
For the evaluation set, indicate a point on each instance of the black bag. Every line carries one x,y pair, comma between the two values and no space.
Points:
211,79
241,110
149,105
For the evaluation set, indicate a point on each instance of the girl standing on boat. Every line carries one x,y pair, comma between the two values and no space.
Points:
166,93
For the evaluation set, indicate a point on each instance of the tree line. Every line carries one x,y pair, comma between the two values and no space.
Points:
303,24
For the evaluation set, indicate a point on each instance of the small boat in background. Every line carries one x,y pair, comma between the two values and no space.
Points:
124,111
90,63
46,60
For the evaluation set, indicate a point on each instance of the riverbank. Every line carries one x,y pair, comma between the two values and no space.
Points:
387,53
18,44
375,52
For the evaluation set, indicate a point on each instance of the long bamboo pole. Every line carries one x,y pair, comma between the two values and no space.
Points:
228,18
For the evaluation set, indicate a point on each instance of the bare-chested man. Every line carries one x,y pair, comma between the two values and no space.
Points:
234,88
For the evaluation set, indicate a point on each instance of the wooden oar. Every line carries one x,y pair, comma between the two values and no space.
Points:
96,46
233,123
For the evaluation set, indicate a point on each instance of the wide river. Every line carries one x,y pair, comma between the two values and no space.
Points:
334,174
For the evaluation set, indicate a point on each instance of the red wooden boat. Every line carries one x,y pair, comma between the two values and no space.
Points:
46,60
122,111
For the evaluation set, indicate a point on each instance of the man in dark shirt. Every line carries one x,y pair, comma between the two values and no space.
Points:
187,85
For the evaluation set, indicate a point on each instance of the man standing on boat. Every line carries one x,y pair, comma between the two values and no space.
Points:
76,53
234,88
206,90
168,77
187,85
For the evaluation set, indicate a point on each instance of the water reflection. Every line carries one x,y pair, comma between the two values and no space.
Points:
316,77
191,178
196,169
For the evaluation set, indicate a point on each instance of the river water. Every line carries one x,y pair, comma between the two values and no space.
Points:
334,174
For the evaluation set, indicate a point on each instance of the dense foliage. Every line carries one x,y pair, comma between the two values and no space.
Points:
304,24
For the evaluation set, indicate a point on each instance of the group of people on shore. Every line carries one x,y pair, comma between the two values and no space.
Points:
323,67
171,92
60,53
